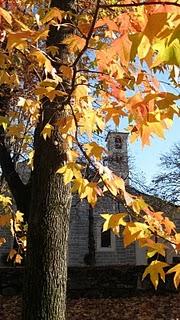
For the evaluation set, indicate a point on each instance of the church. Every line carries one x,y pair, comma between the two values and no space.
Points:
88,245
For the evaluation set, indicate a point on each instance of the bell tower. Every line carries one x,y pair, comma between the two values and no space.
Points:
117,159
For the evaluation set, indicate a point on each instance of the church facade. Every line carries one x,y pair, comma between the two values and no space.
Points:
88,245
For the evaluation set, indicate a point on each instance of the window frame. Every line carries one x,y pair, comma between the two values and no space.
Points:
112,248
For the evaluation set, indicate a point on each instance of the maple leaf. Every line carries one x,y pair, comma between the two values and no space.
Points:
138,204
66,71
75,43
93,149
47,130
5,200
92,190
167,53
153,247
155,269
113,183
69,171
113,113
88,121
113,220
53,13
31,159
80,92
43,61
4,122
6,15
134,231
19,216
175,269
80,186
169,225
122,46
18,40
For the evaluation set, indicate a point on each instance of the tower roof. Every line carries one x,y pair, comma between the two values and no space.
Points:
116,132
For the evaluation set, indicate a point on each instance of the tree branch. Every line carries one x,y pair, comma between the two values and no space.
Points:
133,4
20,192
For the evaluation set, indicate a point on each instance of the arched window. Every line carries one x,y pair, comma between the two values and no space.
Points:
118,143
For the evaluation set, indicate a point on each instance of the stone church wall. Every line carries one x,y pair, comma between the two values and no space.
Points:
78,239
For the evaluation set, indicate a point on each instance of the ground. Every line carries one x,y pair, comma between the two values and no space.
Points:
143,307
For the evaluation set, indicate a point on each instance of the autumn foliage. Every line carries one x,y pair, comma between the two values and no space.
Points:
115,56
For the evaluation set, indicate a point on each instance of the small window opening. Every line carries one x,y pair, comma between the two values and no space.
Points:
118,143
105,239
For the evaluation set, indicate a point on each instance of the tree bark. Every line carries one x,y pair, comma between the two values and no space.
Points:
46,265
48,226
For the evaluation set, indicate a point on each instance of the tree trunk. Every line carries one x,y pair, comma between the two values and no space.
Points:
46,267
48,225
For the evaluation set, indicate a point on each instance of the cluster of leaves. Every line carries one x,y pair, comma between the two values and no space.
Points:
15,220
115,52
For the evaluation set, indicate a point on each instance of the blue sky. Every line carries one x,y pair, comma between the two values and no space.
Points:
147,158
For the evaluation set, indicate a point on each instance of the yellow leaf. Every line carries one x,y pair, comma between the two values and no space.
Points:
75,43
68,175
155,269
113,220
18,40
122,46
5,200
4,122
153,247
53,13
92,191
72,155
175,269
138,204
46,132
19,216
6,15
134,231
81,91
80,185
40,35
143,47
69,171
43,61
49,92
31,159
93,149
